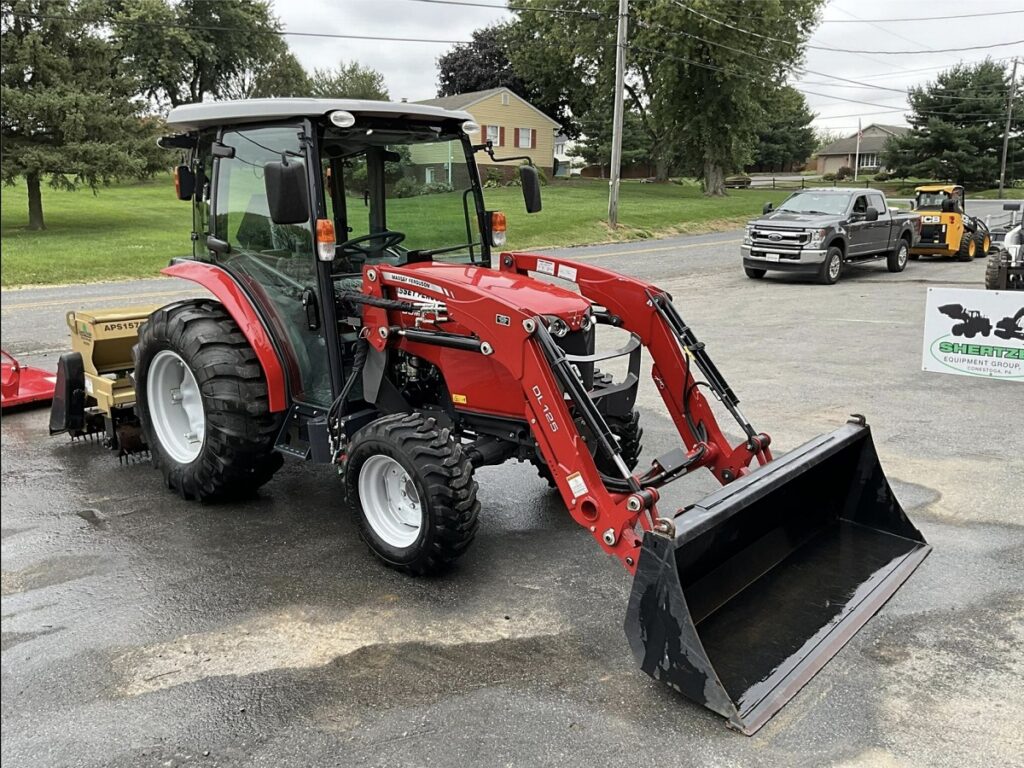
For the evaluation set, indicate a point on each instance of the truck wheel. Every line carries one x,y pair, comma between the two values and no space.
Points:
968,247
203,404
412,493
832,267
992,271
755,274
897,260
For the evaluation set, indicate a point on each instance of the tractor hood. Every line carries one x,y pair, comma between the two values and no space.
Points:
529,295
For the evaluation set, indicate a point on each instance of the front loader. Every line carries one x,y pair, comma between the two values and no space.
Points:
359,318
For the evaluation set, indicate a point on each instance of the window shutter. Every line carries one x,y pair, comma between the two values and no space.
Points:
483,132
501,136
533,138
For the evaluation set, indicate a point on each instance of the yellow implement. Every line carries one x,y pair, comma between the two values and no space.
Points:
945,229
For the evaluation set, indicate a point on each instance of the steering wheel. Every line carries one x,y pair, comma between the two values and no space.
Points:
387,239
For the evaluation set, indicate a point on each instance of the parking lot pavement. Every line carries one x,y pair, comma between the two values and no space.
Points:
142,630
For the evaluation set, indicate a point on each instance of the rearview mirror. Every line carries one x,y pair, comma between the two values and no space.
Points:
287,196
184,182
530,180
871,214
767,208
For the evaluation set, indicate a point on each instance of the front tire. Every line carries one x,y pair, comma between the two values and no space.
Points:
832,267
897,260
992,271
984,242
412,493
203,404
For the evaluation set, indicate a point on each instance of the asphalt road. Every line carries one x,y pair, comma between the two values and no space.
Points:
141,630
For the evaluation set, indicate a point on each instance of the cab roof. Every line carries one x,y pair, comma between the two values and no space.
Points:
193,117
948,188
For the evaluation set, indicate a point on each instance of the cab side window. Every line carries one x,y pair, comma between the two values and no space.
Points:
878,202
860,205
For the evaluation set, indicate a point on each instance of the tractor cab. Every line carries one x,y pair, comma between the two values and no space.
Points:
292,197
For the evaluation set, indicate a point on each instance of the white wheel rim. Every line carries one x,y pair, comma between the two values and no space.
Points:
175,407
833,266
390,502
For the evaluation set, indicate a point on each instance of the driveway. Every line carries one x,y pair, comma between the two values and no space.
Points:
140,630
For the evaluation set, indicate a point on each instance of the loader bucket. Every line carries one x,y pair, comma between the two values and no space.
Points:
767,578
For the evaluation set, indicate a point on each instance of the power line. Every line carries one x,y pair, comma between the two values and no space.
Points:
841,50
207,28
919,19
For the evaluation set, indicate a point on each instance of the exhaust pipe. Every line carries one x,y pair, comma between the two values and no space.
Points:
764,580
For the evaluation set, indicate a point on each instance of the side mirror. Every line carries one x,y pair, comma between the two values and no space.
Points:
948,205
913,204
871,214
530,180
287,196
767,208
184,182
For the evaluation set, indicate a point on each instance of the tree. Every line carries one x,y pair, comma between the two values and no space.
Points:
183,50
283,76
825,136
786,139
957,125
486,63
68,108
595,144
348,81
696,73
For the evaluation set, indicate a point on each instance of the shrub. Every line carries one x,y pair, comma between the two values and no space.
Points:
882,176
844,172
493,179
828,177
436,187
407,187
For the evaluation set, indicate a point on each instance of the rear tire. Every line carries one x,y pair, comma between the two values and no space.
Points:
755,274
412,493
897,260
832,267
968,247
984,242
202,403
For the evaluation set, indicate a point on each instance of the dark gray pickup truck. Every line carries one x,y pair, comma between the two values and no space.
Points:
817,231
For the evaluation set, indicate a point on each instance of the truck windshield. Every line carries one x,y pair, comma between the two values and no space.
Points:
414,185
816,203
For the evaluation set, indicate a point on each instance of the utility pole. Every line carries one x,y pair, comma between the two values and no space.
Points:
1006,131
620,72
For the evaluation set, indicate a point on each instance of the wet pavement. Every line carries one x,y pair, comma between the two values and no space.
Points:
141,630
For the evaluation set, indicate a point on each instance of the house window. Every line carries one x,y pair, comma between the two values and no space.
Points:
504,99
868,160
428,174
524,138
494,135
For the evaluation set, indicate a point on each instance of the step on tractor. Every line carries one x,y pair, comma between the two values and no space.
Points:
946,229
359,314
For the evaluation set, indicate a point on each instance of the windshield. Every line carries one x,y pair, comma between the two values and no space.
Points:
931,199
400,192
816,203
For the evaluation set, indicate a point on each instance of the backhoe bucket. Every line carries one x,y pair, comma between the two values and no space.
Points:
766,579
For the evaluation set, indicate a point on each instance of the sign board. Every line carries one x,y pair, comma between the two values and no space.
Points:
974,333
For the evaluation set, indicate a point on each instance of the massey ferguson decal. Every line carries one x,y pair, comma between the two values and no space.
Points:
415,282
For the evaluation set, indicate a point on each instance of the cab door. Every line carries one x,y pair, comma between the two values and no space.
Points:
275,263
858,226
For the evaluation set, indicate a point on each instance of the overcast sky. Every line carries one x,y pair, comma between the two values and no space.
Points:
410,69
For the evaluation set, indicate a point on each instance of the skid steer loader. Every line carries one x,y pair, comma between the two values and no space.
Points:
361,319
946,229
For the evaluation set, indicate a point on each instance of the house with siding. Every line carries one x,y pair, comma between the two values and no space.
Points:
872,144
512,124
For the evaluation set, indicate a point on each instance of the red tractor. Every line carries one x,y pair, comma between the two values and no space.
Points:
359,318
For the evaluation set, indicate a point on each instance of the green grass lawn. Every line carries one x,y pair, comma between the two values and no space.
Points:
133,230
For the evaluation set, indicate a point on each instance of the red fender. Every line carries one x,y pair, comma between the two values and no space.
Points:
227,291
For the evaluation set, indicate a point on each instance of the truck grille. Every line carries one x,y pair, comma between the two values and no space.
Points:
767,238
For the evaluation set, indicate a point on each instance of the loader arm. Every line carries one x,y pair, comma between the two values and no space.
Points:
553,396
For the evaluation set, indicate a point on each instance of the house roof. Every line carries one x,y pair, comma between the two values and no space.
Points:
191,117
466,100
848,146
